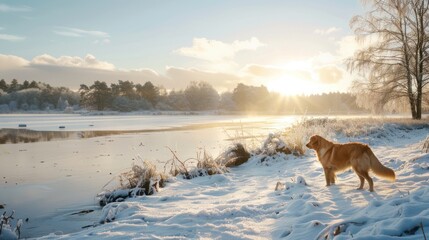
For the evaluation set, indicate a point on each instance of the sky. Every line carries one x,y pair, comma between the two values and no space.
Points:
290,46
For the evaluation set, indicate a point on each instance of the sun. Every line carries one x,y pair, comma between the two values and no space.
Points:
292,78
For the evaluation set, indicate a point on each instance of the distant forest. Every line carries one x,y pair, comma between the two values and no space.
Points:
125,96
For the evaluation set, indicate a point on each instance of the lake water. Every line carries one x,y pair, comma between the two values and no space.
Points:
55,169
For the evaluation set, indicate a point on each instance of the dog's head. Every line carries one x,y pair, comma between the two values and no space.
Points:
315,142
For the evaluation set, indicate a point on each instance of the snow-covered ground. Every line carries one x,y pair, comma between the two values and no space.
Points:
243,203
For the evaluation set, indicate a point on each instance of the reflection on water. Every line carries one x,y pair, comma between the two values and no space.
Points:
8,135
21,135
29,136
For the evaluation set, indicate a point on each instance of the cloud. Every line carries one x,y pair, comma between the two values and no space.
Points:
12,62
89,61
146,71
326,31
181,77
11,38
263,70
216,51
70,71
291,70
8,8
330,74
72,77
76,32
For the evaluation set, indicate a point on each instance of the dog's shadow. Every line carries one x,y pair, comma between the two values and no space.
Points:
342,194
345,191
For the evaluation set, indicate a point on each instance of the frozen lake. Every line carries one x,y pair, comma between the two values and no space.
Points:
50,179
75,122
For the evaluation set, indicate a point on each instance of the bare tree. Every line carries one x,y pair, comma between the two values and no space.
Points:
395,62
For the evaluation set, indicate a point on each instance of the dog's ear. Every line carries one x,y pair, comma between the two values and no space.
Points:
316,140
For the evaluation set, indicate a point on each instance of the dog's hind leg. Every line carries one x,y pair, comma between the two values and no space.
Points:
361,178
362,182
364,176
369,179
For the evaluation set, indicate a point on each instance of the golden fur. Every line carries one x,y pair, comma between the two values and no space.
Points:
336,157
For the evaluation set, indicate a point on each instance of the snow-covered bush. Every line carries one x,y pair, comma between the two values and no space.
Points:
110,212
140,180
274,144
207,165
6,230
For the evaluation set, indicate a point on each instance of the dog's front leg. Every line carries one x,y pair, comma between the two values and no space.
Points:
327,176
332,176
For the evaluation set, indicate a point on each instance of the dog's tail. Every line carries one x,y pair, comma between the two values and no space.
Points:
378,168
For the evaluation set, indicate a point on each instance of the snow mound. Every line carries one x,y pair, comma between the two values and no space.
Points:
297,182
405,216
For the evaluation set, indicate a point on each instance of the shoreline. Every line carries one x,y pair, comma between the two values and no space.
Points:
35,175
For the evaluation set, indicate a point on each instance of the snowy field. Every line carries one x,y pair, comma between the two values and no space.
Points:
243,203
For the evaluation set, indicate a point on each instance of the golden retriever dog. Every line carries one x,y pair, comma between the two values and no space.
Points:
336,157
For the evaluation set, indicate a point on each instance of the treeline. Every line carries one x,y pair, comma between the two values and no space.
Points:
126,96
35,96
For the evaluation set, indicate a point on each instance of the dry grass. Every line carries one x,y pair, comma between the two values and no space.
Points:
203,165
145,178
140,180
235,155
244,136
298,134
207,165
176,165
